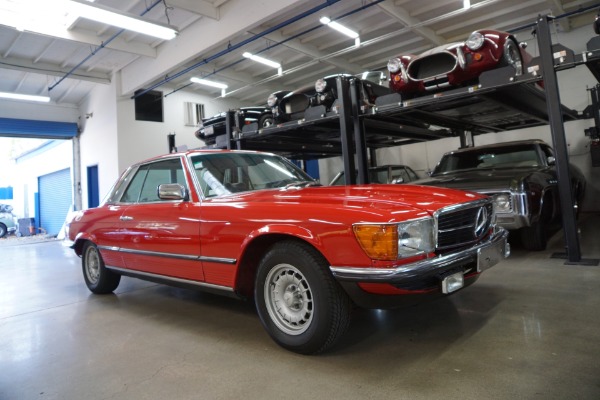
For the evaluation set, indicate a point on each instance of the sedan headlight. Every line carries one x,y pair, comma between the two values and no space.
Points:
394,65
272,100
475,41
389,242
320,85
502,203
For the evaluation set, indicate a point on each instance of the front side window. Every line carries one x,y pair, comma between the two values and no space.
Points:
143,186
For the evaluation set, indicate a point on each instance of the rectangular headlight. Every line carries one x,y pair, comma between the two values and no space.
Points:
502,203
415,237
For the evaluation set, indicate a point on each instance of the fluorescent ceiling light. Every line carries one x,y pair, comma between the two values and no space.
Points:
466,4
209,83
60,14
109,16
338,27
17,96
262,60
265,61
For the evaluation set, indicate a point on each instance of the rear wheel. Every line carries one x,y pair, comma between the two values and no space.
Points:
98,278
3,230
299,303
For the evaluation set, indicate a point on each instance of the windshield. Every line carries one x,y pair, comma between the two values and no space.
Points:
489,158
221,174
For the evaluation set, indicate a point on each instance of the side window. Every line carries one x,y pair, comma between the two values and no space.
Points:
144,185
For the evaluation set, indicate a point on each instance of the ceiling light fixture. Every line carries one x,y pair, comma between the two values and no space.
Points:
218,85
44,16
264,61
127,21
342,29
466,4
28,97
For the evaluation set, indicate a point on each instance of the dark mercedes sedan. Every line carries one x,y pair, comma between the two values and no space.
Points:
521,176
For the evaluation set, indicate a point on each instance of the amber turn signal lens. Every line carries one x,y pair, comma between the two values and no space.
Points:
477,56
380,242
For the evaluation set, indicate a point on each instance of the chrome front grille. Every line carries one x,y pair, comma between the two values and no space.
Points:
464,225
432,66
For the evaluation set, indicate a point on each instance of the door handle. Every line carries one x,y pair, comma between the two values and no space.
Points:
126,218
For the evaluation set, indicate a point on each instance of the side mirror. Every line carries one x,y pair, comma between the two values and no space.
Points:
551,160
429,172
172,191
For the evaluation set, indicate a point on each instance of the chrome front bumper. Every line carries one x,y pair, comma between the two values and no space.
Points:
485,255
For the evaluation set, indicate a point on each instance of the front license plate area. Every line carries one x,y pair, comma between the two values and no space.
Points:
489,256
453,282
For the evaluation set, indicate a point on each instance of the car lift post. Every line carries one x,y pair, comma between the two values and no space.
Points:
359,136
557,129
345,113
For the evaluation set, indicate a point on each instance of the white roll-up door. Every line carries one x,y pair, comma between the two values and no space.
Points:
55,200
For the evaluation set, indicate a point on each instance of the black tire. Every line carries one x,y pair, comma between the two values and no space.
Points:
265,121
3,230
298,301
98,278
534,237
512,56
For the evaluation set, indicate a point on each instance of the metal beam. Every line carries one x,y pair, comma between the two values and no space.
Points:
404,18
201,7
51,69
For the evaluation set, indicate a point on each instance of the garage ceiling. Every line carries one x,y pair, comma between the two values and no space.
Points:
66,68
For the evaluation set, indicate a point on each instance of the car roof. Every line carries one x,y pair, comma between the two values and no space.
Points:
496,145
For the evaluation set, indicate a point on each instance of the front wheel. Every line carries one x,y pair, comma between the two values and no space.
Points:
98,278
299,303
3,230
512,56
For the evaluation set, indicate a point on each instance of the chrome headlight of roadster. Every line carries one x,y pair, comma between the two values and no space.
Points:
475,41
320,85
394,65
272,100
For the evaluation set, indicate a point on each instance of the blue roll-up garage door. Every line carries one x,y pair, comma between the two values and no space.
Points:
55,200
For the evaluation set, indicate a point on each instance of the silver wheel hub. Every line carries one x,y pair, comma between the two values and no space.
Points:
92,265
288,299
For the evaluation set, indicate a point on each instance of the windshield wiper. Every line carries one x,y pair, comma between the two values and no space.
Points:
301,184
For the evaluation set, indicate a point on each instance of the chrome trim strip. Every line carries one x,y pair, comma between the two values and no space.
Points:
169,278
414,270
220,260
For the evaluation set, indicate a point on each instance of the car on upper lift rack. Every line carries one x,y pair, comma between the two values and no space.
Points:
291,106
211,128
456,64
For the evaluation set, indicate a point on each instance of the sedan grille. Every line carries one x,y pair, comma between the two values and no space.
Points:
463,226
431,66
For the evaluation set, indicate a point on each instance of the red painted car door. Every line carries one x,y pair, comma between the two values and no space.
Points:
160,237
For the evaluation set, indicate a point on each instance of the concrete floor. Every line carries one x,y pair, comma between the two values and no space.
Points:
527,329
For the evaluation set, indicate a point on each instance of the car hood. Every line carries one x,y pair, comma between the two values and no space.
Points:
481,180
385,198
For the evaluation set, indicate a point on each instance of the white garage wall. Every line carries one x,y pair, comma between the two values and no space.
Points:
573,85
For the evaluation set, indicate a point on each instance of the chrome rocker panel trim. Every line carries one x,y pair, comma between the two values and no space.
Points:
219,260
